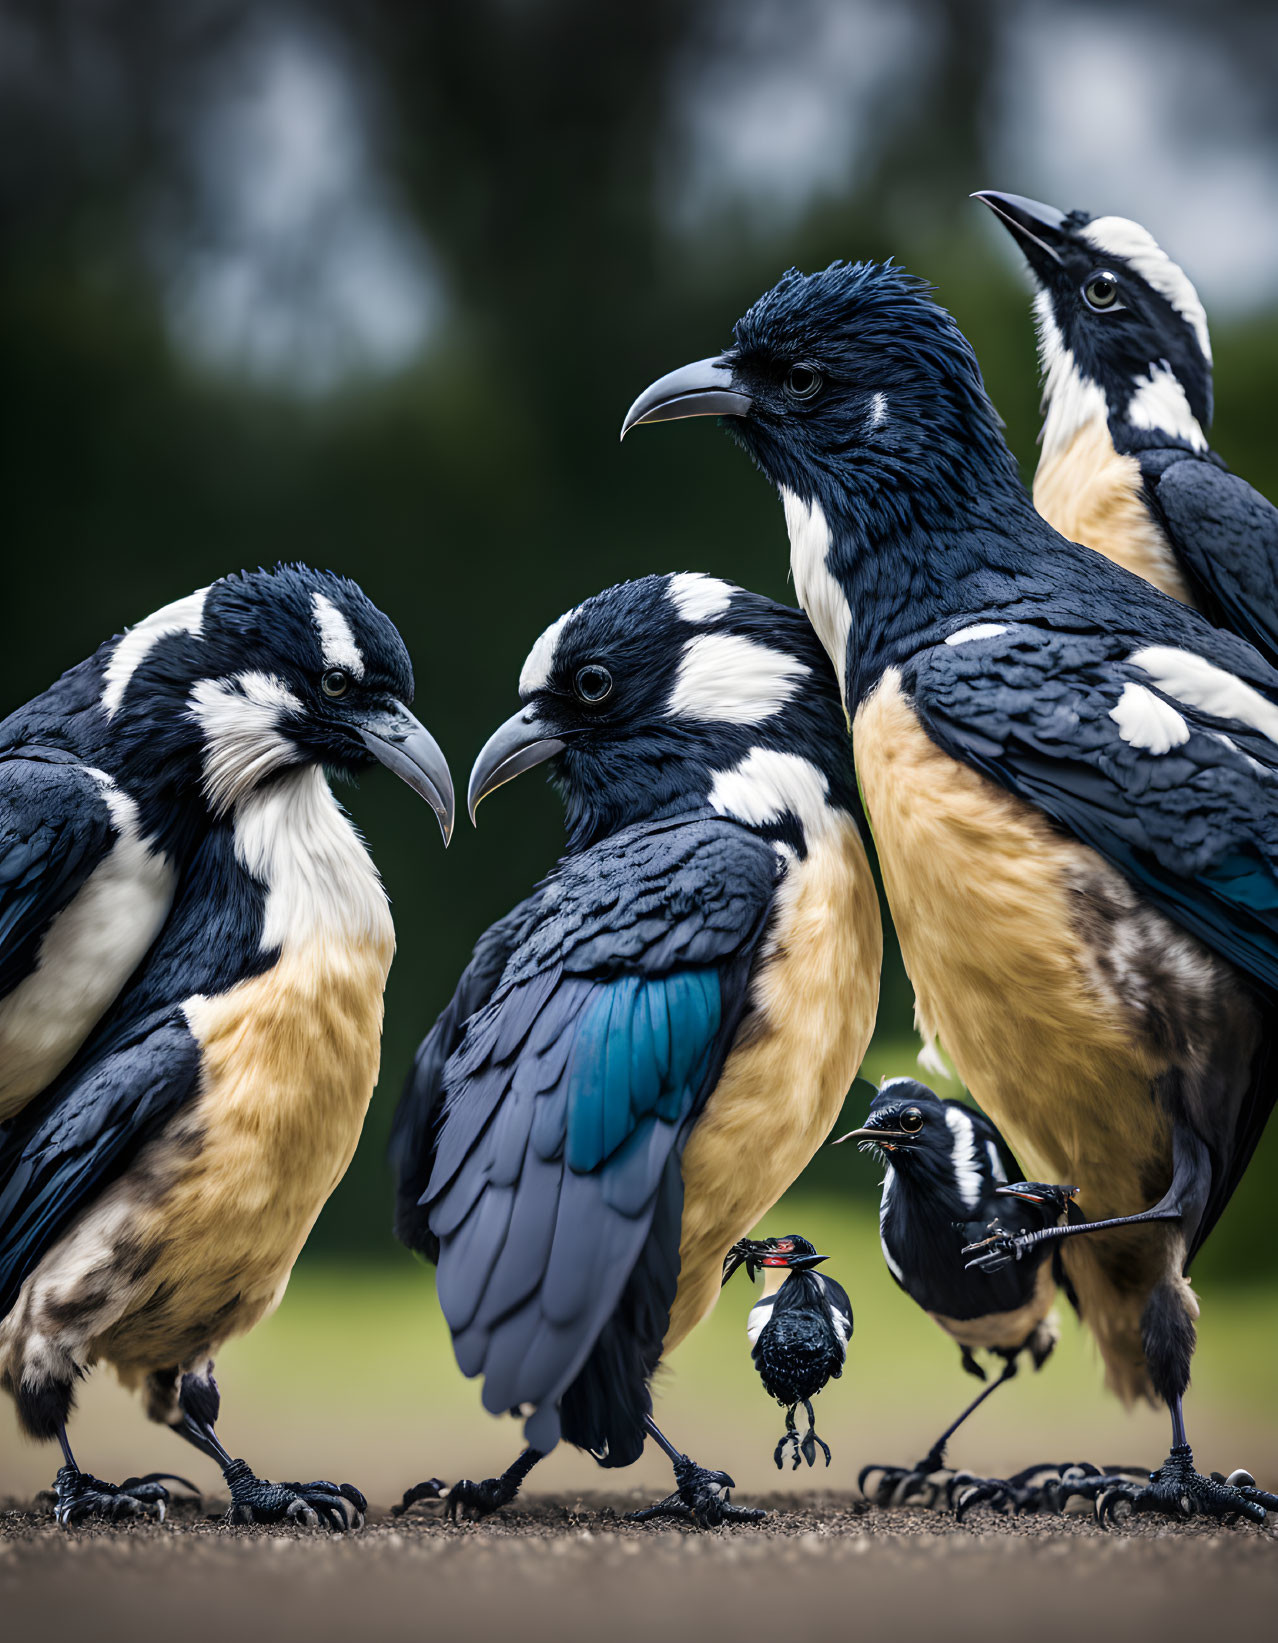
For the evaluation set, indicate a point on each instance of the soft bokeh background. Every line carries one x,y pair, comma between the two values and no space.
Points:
371,284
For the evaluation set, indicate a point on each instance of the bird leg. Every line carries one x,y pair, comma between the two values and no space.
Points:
919,1485
79,1496
338,1506
467,1499
1178,1490
993,1253
790,1435
701,1497
810,1439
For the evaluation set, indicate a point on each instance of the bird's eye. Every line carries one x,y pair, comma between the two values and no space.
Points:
802,382
1101,290
335,681
911,1120
593,683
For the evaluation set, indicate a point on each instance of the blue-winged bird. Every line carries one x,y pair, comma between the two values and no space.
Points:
799,1330
155,1193
645,1054
1127,395
1070,779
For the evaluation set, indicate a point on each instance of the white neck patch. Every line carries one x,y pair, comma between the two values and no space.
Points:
1071,401
699,598
242,738
337,642
732,679
768,785
182,616
967,1172
541,658
818,591
1120,237
1161,403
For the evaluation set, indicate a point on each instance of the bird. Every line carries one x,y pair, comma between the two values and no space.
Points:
1070,781
156,1192
946,1190
798,1329
645,1053
1126,467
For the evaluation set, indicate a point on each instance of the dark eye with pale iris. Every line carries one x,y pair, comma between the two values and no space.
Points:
911,1120
593,683
802,382
1101,290
335,682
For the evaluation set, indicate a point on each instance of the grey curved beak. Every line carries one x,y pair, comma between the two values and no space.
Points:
871,1134
522,742
706,388
1038,229
404,745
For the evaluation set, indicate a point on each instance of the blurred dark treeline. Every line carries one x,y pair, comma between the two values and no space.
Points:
371,285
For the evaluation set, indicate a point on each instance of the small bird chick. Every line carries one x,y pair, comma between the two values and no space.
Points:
799,1331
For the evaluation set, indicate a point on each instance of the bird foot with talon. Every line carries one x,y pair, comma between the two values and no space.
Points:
898,1486
1053,1486
702,1497
434,1489
994,1253
467,1500
335,1506
78,1496
1177,1490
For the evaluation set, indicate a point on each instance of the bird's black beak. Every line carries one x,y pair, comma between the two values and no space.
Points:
522,742
707,388
1038,229
403,744
801,1263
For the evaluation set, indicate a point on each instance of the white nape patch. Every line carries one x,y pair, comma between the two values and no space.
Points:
182,616
1147,721
1202,684
889,1182
242,738
978,630
967,1172
698,597
1071,401
759,1317
1121,237
996,1163
337,642
732,679
768,785
320,881
878,409
86,955
818,591
536,670
1161,403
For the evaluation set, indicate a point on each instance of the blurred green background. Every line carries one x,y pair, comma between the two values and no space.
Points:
371,285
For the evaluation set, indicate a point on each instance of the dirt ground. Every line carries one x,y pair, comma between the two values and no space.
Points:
822,1566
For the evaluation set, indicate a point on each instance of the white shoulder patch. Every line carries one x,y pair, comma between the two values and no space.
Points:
337,642
967,1172
1136,245
1147,721
1162,404
698,597
727,677
767,785
823,600
1071,401
978,630
182,616
1199,683
242,739
541,658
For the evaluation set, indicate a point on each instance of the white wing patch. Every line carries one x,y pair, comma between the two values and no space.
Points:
759,1318
732,679
818,592
1071,401
1161,403
698,597
996,1163
1147,721
767,785
1202,684
337,642
182,616
978,630
541,658
1137,246
967,1172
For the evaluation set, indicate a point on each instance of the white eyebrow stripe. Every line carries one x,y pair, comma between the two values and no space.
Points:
727,677
698,597
536,670
1199,683
337,642
1121,237
184,615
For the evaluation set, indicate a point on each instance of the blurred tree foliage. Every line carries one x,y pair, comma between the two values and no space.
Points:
478,490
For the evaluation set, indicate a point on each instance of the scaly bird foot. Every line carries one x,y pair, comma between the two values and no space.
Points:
994,1253
1053,1486
78,1496
336,1506
1177,1490
432,1489
897,1486
702,1497
467,1500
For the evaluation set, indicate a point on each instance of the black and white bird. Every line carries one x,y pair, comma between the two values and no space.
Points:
945,1186
799,1330
1126,467
156,1190
644,1054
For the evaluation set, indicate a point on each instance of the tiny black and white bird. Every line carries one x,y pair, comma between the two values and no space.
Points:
155,1192
1126,468
945,1186
799,1331
643,1055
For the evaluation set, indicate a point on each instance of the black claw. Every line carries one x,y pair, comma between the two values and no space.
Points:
78,1496
433,1489
254,1500
1177,1490
702,1497
919,1485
